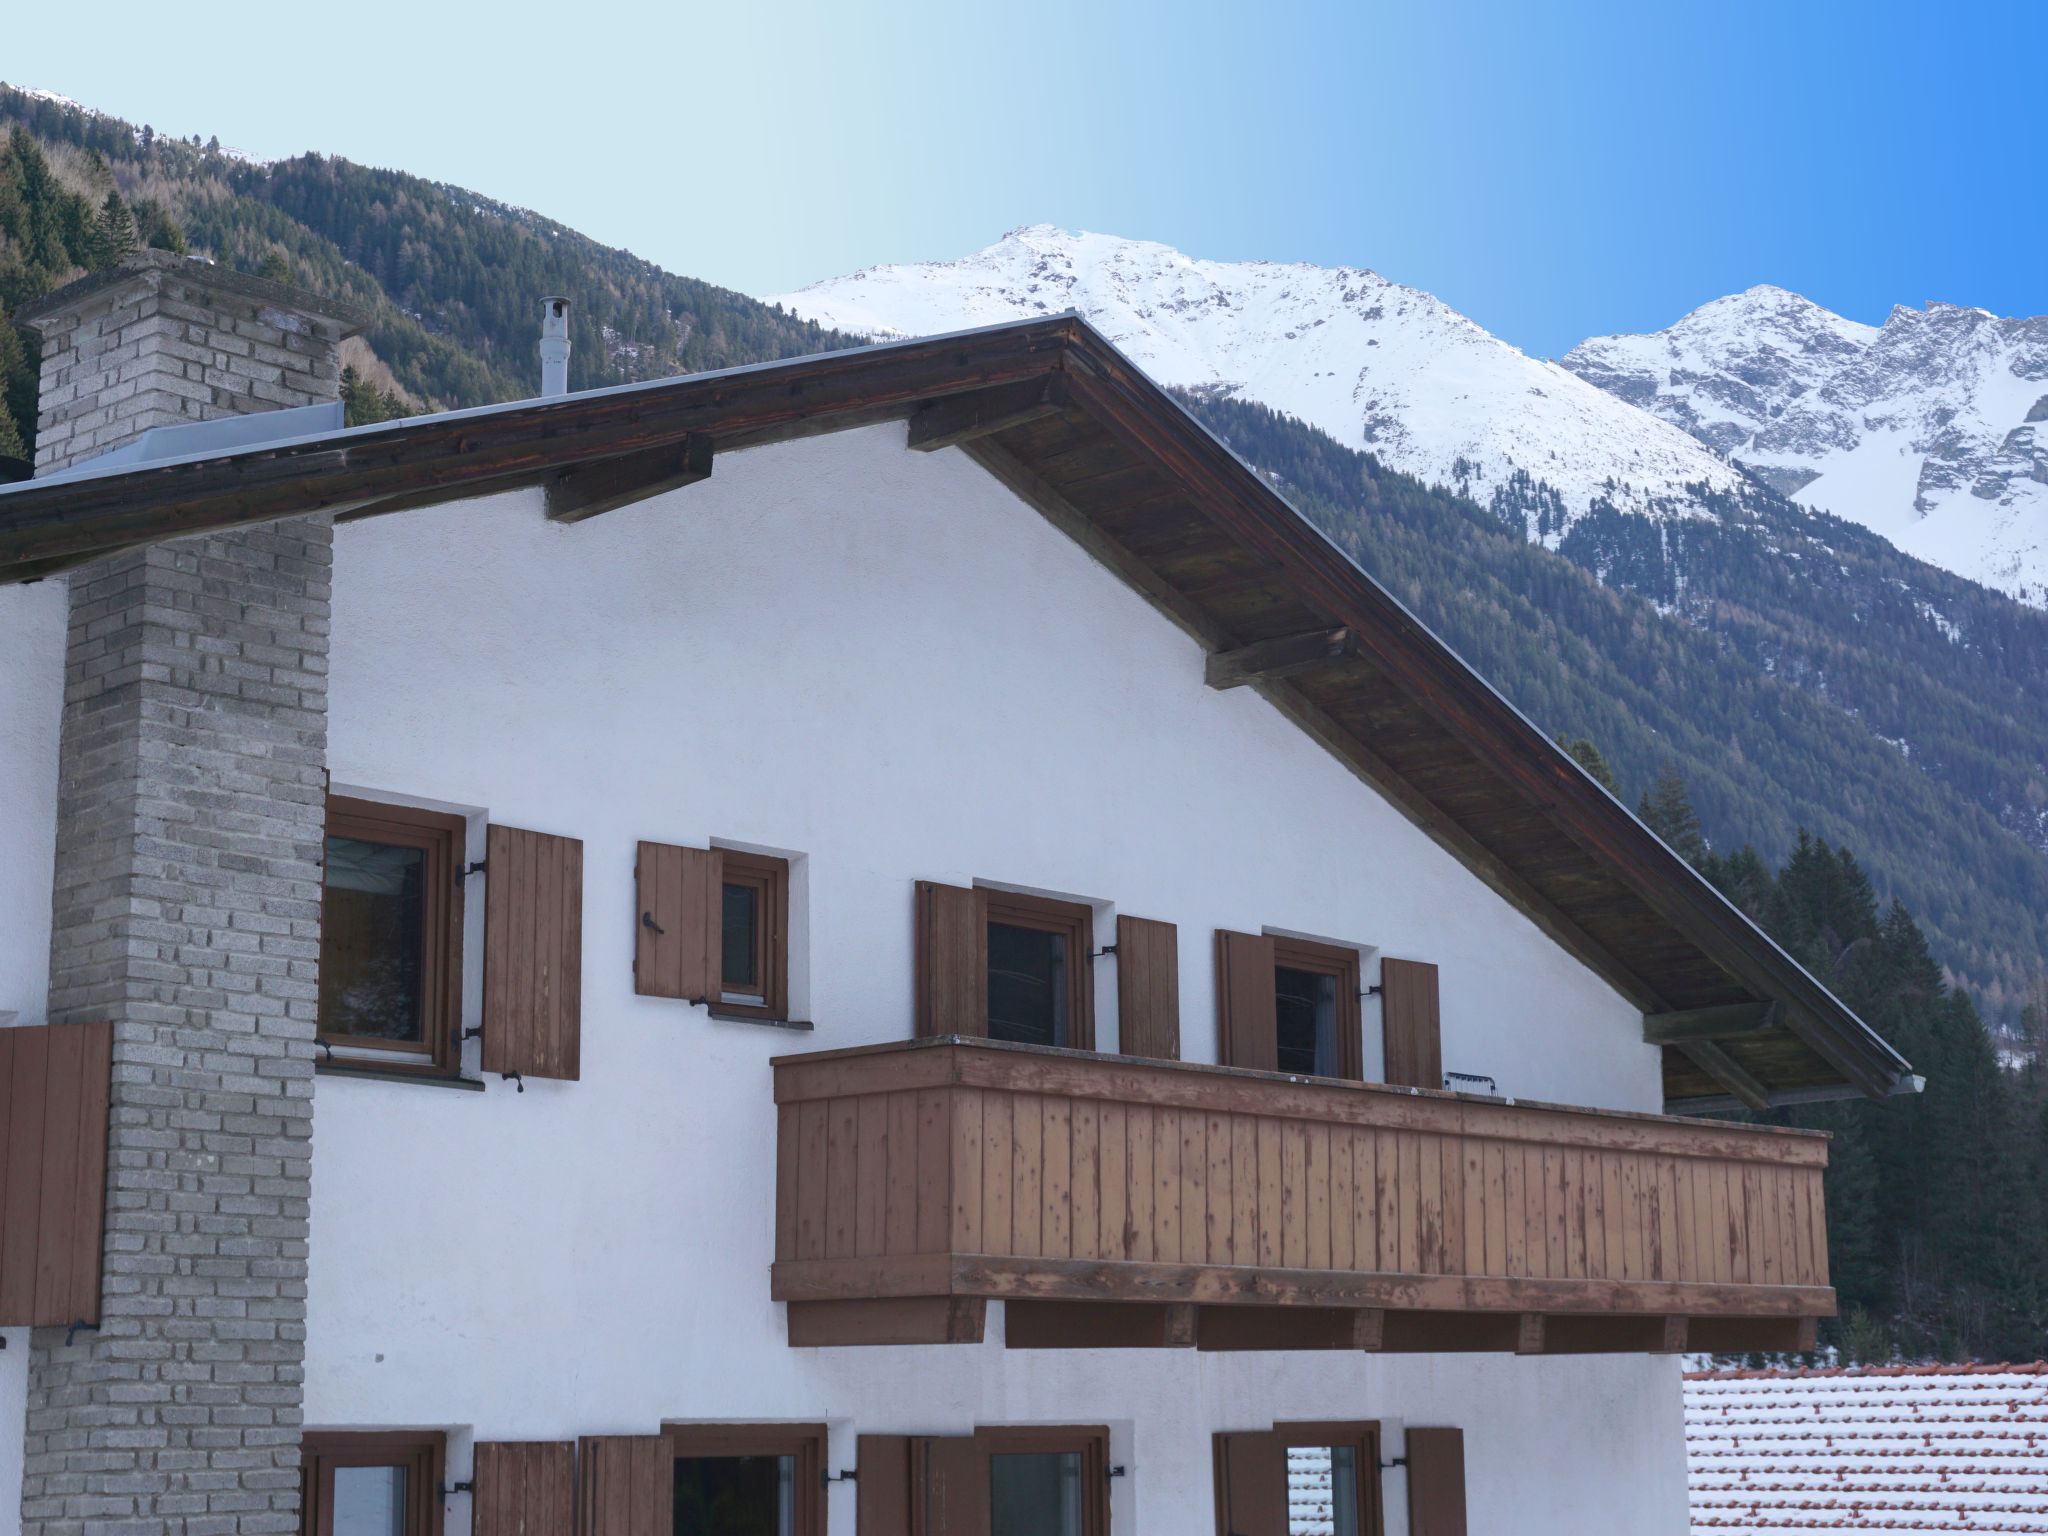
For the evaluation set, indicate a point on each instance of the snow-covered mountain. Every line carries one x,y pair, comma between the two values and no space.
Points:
1376,365
1916,429
1931,429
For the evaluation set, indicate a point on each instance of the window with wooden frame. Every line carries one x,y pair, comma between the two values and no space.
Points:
391,935
1003,965
378,1483
998,1481
1289,1005
714,929
1308,1479
748,1479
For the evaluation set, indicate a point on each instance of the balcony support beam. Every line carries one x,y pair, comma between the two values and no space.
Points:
888,1320
1729,1073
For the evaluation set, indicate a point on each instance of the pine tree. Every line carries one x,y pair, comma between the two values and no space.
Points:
276,268
1666,809
1587,756
114,233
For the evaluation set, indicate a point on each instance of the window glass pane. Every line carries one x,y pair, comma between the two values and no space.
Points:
1322,1490
369,1501
740,922
1027,985
1035,1494
1306,1016
735,1496
372,940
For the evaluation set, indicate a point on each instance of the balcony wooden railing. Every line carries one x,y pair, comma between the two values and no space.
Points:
1110,1200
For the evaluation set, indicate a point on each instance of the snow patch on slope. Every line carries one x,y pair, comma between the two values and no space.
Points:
1376,365
1931,429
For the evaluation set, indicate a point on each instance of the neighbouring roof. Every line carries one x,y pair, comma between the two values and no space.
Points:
1894,1448
1115,462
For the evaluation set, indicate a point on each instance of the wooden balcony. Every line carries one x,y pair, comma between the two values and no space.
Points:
1113,1201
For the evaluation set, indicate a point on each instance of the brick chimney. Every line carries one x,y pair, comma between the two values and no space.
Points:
186,910
163,340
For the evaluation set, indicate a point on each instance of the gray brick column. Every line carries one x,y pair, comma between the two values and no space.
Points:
187,911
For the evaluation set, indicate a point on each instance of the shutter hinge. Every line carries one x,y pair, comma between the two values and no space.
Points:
1398,1461
1097,954
1373,991
513,1077
475,869
647,921
1110,1472
449,1490
845,1476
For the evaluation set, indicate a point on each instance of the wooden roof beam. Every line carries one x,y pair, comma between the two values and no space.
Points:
1268,659
1724,1069
955,419
608,484
1728,1021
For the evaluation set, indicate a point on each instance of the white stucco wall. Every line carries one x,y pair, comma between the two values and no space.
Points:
883,662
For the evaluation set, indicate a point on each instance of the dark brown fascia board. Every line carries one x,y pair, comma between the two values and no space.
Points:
1393,639
44,528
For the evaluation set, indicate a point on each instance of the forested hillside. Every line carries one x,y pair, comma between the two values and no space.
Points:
1774,722
453,280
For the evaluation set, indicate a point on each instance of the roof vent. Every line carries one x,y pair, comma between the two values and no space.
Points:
554,346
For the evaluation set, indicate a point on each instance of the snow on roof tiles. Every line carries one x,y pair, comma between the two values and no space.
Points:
1883,1448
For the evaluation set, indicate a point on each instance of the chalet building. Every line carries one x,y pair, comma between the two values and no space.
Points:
887,942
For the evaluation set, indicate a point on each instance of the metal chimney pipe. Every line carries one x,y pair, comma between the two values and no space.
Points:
554,346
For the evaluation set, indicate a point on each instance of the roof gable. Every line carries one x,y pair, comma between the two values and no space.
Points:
1056,413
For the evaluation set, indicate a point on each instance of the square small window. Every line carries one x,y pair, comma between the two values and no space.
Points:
748,1480
372,1484
390,935
753,935
1316,1009
1039,982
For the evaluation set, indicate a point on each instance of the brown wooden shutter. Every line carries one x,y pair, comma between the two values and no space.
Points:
53,1171
1247,1026
524,1488
533,954
949,1486
1414,1036
882,1491
1148,988
1436,1482
626,1486
952,960
1251,1485
676,949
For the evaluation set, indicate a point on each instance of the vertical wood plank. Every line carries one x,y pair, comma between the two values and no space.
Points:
1365,1198
1410,1205
948,1170
1615,1213
1316,1156
1144,1218
787,1166
1429,1210
1166,1178
1087,1172
1244,1189
1118,1240
842,1152
1219,1216
900,1204
1027,1174
1270,1185
1056,1235
1454,1205
1387,1196
1633,1247
1681,1188
871,1178
1516,1207
1498,1204
1668,1226
1343,1224
998,1113
1293,1194
1194,1186
813,1179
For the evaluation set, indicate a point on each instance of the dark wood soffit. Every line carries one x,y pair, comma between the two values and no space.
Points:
47,527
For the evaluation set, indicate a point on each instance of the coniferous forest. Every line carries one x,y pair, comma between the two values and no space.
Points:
1741,682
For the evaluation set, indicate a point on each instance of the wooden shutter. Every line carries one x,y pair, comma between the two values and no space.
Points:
524,1488
1436,1482
676,928
882,1491
1415,1057
1247,1027
533,954
1148,988
626,1486
949,1486
1251,1485
952,960
53,1171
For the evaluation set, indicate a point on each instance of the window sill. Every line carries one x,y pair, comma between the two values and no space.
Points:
725,1017
397,1075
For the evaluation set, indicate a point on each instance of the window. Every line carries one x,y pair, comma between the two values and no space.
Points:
374,1484
1038,992
390,935
1300,1480
1289,1005
714,929
753,938
748,1480
1000,1481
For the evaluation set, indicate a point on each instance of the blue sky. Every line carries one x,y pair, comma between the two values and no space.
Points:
1554,171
